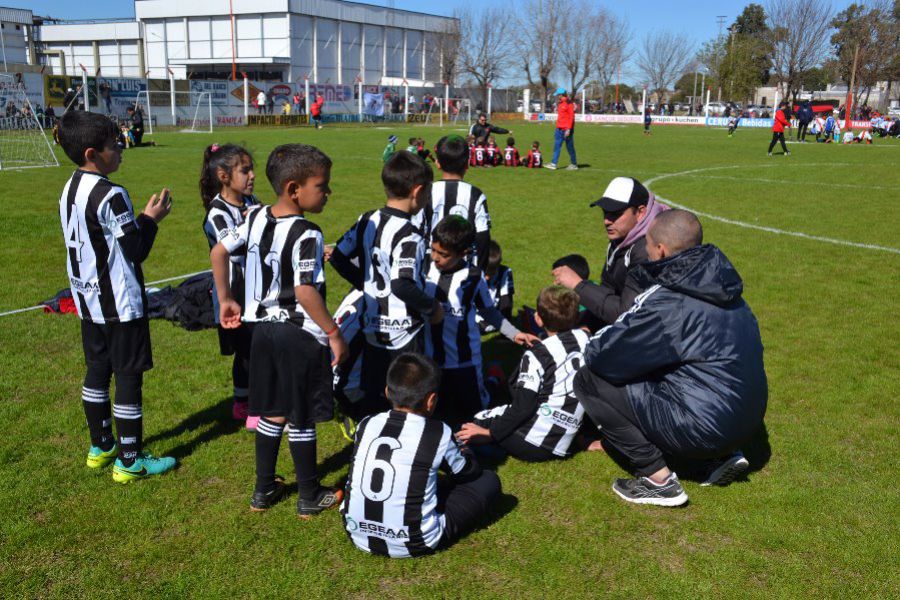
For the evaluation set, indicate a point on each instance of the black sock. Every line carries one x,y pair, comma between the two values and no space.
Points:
97,409
129,417
268,439
303,450
240,377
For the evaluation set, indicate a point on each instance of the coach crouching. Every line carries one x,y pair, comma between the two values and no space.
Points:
681,372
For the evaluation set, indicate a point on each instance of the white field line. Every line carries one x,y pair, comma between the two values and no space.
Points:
774,230
149,283
795,182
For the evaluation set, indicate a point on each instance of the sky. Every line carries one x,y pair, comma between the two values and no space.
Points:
697,18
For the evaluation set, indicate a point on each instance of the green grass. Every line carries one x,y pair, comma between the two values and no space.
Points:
819,518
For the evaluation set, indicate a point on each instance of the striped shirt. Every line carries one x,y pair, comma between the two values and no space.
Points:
391,504
97,219
501,288
548,368
387,247
220,218
347,375
455,197
282,253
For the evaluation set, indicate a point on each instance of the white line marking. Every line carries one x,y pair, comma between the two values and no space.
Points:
774,230
795,182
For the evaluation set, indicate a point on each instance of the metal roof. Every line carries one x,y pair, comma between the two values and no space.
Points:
16,15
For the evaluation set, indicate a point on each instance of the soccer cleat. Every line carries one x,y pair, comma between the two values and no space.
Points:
325,498
251,423
642,490
572,167
788,153
551,166
770,154
262,501
348,428
727,470
97,458
145,465
239,410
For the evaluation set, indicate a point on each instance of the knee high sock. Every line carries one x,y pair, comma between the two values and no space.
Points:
97,409
303,450
241,377
129,416
268,440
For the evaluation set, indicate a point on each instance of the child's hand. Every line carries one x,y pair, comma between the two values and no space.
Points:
159,205
438,315
230,314
338,347
526,339
327,251
470,433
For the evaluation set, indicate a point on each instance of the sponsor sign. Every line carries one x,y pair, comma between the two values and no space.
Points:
284,120
373,104
217,90
723,122
675,120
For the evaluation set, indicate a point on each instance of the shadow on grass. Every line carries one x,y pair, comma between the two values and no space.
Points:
219,415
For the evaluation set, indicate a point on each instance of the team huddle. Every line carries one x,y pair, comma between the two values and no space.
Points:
402,357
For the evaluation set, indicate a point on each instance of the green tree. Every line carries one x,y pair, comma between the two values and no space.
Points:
866,45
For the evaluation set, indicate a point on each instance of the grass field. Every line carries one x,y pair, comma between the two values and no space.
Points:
817,517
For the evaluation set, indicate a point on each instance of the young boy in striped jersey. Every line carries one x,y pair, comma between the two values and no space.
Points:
455,343
105,246
382,255
453,196
544,417
391,507
499,278
284,298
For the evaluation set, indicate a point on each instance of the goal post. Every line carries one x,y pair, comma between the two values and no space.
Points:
451,111
192,112
23,141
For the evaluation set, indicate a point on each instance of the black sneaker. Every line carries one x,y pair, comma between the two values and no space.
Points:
643,491
724,472
262,501
325,498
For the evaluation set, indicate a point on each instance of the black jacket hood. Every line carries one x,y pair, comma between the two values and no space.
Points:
703,272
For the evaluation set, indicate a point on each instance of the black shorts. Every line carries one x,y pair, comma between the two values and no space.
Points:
290,374
236,341
123,346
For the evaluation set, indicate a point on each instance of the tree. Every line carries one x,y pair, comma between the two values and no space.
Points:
487,50
448,49
612,51
576,53
539,26
798,31
662,58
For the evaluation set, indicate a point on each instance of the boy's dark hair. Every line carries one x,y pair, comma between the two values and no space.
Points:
296,162
453,154
577,263
480,141
129,109
454,233
411,378
510,141
536,143
558,308
413,141
495,257
80,130
217,157
402,172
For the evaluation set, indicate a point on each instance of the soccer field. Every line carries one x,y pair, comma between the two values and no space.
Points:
814,236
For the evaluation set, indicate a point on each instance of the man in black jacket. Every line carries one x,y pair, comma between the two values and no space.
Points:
628,212
805,116
483,129
681,372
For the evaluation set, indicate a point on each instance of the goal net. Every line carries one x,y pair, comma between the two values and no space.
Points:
191,112
454,111
23,142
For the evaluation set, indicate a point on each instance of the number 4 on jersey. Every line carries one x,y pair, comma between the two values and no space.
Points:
73,235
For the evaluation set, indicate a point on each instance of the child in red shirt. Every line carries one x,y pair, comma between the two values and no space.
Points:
534,160
511,156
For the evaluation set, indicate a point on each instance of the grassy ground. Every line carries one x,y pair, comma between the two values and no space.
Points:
817,517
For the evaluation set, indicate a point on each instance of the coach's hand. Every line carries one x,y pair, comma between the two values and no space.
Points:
159,205
566,277
339,348
438,315
229,314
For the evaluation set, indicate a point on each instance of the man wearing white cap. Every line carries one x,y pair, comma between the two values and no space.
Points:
628,211
565,130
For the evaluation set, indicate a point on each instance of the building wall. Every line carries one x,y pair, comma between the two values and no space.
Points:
12,50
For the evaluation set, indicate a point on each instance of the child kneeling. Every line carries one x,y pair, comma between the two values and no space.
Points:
392,502
544,417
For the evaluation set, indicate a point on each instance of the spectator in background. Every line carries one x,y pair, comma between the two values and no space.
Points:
805,116
261,102
270,104
315,111
68,100
106,96
296,101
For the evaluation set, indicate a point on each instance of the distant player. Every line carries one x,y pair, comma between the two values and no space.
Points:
391,506
732,125
390,148
647,120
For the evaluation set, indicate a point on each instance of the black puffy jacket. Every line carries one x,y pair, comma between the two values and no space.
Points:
616,291
690,354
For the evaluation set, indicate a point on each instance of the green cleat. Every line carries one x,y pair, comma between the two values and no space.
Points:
97,458
146,465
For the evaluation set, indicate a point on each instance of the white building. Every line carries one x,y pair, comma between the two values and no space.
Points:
14,24
328,41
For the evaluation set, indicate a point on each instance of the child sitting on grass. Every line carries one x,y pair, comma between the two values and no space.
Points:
391,507
511,156
534,159
544,417
499,279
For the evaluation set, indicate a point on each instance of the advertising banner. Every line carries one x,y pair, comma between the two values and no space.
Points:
676,120
608,118
121,92
281,120
373,104
218,90
723,122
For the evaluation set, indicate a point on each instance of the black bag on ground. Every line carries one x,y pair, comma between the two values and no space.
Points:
192,306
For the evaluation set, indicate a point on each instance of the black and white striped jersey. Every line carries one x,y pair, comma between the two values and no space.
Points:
455,342
388,247
97,223
548,368
347,375
221,217
455,197
391,504
282,253
502,289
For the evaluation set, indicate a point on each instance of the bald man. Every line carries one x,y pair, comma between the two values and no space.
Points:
680,373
